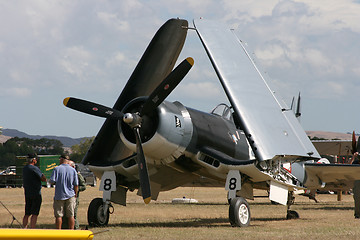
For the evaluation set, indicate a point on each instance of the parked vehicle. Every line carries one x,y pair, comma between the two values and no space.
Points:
8,177
46,163
88,175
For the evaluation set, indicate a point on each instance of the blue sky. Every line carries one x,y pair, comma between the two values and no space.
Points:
88,49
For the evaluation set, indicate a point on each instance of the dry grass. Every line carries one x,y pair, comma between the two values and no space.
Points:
206,220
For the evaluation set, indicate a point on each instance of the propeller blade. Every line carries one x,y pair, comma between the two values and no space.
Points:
155,64
354,148
167,86
143,171
92,108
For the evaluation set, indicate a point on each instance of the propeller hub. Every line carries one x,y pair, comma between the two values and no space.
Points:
132,119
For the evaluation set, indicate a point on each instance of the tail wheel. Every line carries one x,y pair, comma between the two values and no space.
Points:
292,215
239,212
96,215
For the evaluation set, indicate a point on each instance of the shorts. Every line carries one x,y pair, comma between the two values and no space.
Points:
64,207
32,205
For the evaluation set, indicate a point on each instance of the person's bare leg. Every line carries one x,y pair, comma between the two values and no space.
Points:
71,222
33,221
25,221
58,222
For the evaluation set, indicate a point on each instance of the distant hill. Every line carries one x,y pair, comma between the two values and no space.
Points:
329,135
4,138
66,141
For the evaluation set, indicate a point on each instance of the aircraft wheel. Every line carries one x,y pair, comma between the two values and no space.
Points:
239,212
96,216
292,215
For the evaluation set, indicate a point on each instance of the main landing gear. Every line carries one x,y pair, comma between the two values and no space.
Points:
99,213
239,212
100,208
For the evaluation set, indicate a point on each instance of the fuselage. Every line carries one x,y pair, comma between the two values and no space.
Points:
181,140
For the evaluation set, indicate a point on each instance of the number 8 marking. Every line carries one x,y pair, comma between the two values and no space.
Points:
232,183
107,184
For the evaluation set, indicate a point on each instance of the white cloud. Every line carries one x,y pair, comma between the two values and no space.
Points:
333,14
273,55
356,70
16,92
324,89
131,7
201,90
306,44
247,10
113,21
337,88
75,61
46,17
317,60
117,59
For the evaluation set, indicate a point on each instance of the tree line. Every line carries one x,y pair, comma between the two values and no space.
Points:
22,146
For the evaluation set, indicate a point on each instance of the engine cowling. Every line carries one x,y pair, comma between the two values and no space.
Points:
165,132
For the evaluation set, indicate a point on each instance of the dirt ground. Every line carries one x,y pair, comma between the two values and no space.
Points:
207,219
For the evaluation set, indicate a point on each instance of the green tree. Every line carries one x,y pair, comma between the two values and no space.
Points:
22,146
79,150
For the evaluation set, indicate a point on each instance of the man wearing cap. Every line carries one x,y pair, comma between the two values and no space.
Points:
32,177
66,187
82,187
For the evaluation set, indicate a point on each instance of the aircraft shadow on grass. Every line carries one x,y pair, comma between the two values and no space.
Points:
332,208
181,223
192,223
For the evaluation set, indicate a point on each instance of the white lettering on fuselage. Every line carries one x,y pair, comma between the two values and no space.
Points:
177,122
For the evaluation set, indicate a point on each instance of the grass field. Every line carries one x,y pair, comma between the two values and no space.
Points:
208,219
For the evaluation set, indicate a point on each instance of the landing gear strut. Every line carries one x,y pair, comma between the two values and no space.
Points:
291,214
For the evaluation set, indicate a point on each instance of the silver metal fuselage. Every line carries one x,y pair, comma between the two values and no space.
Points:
181,149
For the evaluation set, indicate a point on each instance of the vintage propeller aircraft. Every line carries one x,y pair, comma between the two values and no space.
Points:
153,145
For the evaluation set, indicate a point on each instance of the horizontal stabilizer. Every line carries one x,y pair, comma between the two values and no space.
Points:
331,176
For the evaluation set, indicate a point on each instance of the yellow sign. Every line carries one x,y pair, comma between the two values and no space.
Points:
50,167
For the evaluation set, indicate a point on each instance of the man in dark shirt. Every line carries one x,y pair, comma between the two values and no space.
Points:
32,178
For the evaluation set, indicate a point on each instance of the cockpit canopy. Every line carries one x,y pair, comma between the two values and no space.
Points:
224,111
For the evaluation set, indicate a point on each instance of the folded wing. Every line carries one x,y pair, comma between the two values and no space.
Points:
271,130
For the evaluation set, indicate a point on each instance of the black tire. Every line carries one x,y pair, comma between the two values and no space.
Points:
96,217
292,215
239,212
